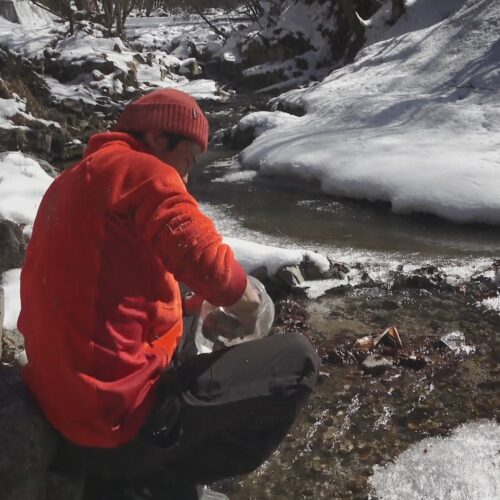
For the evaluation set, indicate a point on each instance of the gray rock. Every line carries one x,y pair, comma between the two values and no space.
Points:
290,276
190,68
374,363
65,481
73,105
309,269
12,245
32,466
8,11
12,344
46,166
239,138
337,271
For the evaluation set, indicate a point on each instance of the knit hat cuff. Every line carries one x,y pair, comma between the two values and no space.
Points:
185,120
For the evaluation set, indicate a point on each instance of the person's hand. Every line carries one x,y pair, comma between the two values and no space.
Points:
247,308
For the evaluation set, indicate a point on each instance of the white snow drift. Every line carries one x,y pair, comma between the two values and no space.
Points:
414,120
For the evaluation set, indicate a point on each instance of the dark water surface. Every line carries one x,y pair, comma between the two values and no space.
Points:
300,213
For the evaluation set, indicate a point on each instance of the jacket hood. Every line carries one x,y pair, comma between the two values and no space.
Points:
101,140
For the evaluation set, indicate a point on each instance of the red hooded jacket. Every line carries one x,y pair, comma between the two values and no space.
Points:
101,307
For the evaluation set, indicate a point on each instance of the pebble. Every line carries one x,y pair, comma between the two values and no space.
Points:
374,363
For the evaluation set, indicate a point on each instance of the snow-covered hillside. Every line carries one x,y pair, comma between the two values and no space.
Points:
414,120
88,65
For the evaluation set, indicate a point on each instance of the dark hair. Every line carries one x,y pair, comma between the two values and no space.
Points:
173,139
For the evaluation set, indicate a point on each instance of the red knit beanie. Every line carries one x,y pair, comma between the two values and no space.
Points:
166,110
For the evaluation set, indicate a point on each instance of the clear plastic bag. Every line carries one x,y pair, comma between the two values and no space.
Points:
217,327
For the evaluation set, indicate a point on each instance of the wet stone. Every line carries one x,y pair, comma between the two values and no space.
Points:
390,305
367,281
291,276
12,344
2,313
12,245
26,439
375,364
337,271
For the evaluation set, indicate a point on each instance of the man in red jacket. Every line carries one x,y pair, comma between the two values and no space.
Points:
102,314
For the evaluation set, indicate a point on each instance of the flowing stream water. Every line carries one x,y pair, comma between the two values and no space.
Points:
358,418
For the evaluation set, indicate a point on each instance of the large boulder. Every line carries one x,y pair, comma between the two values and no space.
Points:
27,441
2,313
12,245
8,11
32,465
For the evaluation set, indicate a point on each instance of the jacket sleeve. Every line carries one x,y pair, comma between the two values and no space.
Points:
187,241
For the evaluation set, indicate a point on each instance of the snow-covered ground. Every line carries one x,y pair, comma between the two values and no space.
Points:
414,120
304,25
179,33
9,108
463,466
88,47
17,106
22,185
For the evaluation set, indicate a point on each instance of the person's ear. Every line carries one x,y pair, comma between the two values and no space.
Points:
156,141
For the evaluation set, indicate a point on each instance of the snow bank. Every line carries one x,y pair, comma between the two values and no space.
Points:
414,120
17,106
463,466
27,41
263,121
9,108
23,183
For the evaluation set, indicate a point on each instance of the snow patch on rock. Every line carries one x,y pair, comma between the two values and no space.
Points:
12,296
23,183
254,255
